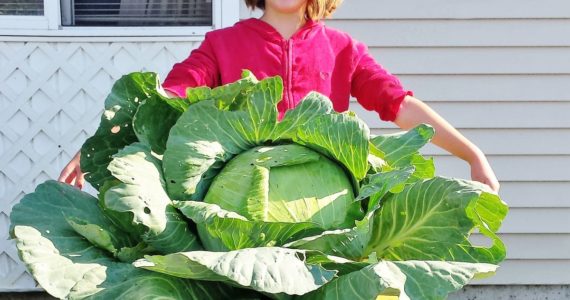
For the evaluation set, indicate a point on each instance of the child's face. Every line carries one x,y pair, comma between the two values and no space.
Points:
286,6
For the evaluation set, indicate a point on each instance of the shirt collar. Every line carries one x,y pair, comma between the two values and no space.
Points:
270,33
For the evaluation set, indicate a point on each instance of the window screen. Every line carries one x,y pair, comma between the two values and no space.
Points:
21,7
136,12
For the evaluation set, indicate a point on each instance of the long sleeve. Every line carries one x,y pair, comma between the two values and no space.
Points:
199,69
374,87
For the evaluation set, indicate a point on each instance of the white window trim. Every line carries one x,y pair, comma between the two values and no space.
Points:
225,13
32,22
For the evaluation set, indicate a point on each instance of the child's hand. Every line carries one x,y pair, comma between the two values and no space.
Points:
72,174
481,171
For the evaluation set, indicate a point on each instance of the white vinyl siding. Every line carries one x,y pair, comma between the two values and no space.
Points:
499,71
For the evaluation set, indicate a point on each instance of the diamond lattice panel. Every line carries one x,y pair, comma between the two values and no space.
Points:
51,98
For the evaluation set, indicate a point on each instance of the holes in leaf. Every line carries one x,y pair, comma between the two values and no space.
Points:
479,240
116,129
146,210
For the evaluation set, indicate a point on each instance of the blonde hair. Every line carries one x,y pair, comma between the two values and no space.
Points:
316,9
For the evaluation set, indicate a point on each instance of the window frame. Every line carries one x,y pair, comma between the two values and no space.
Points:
32,22
224,13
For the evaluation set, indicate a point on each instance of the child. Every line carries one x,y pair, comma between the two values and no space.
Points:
289,40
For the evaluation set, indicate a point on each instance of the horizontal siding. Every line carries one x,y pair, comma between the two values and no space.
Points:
529,272
536,220
498,71
474,114
485,87
457,33
538,194
475,60
512,168
514,141
495,141
458,9
519,194
530,246
443,9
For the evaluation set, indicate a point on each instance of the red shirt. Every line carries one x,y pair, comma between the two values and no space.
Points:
315,58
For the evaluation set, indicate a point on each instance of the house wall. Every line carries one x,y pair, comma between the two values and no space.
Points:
51,99
497,70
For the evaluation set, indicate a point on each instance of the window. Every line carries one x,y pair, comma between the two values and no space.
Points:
136,12
24,14
22,8
129,18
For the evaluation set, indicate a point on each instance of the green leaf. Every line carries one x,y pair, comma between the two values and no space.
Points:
344,137
379,184
432,220
130,254
222,230
351,243
225,96
286,183
204,138
268,269
375,160
49,210
67,265
115,130
310,107
101,237
152,122
127,282
261,109
142,194
258,195
233,95
401,150
180,104
122,220
348,243
193,95
424,280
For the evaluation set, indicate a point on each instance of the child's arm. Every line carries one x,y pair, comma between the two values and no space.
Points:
198,69
413,112
71,173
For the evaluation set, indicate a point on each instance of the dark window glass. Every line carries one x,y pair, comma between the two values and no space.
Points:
22,7
137,12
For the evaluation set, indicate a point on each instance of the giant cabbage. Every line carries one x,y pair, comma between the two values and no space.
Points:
212,197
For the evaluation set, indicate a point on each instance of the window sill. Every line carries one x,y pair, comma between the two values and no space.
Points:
94,32
11,23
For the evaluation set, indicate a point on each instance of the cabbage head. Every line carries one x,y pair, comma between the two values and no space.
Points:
211,196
